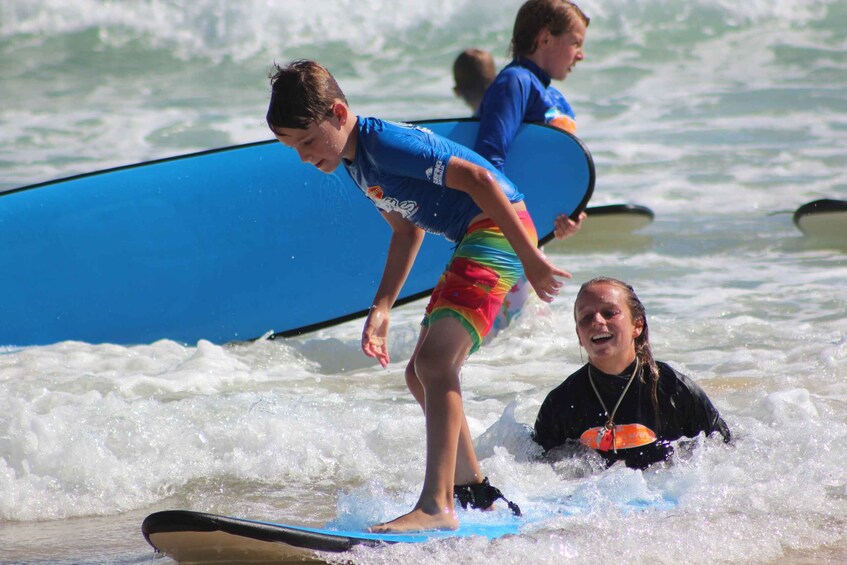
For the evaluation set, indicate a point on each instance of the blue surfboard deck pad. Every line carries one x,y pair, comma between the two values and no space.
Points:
229,244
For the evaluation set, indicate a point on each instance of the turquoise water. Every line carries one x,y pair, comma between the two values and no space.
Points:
722,118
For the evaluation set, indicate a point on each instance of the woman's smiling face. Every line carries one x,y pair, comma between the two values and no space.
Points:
605,327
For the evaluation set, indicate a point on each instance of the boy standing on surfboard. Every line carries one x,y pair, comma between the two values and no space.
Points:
421,182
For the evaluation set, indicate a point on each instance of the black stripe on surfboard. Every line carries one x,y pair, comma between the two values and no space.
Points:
177,521
613,209
821,206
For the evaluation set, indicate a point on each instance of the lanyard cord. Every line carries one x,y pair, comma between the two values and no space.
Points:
610,422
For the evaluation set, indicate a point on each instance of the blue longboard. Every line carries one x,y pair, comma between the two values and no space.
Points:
184,535
229,244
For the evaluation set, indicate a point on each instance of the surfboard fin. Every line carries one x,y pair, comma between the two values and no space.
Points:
481,496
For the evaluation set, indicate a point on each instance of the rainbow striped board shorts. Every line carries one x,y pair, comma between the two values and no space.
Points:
482,270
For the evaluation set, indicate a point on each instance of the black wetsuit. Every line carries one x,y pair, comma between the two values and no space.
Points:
572,408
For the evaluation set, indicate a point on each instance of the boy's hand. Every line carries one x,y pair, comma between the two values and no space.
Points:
375,336
564,227
542,276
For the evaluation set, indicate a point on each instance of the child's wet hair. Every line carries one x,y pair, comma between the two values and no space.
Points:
302,93
473,71
534,16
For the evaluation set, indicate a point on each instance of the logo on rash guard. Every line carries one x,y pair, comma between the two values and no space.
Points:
406,208
435,174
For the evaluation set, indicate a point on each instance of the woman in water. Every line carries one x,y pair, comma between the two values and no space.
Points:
622,403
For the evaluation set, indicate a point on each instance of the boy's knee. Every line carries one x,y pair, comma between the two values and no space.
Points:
432,370
411,374
422,364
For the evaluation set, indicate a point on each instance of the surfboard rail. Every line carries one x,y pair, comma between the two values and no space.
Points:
185,521
625,209
823,223
828,212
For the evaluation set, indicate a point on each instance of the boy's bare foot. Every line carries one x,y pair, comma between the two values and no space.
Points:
418,520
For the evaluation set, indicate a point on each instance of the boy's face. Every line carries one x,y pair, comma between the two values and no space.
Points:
322,144
563,52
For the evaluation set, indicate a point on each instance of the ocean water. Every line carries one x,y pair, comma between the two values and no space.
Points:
722,117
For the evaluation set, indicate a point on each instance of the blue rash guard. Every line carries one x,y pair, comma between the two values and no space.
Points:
402,168
520,93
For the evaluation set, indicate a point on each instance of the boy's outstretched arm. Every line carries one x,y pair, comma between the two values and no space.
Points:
406,239
481,185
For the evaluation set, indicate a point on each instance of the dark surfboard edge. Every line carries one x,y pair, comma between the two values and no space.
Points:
138,165
183,156
823,205
615,209
175,521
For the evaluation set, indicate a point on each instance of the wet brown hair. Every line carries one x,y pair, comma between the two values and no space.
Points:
302,92
473,71
643,352
556,16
